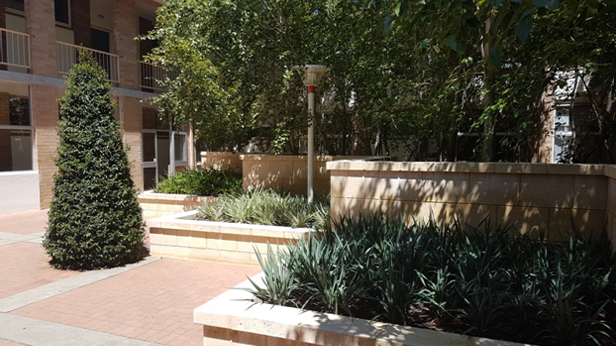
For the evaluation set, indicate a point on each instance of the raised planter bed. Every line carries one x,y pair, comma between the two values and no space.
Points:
234,319
182,236
165,204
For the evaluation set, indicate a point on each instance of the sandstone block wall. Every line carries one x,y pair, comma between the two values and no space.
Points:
287,172
222,161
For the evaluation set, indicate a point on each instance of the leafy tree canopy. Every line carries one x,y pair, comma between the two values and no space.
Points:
410,75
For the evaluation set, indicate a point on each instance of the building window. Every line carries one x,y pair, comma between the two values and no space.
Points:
15,133
564,137
62,12
15,5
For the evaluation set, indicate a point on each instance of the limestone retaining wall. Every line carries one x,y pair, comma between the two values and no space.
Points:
164,204
180,236
531,197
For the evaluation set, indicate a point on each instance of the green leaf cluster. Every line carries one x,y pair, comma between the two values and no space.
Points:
95,220
202,182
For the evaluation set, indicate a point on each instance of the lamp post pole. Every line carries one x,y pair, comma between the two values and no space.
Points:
310,142
312,76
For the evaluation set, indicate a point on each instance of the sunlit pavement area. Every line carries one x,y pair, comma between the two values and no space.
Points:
145,303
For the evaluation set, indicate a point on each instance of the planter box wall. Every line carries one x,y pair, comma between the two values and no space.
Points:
288,172
232,319
531,197
163,204
222,161
176,236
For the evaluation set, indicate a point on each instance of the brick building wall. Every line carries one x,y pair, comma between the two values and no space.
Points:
45,121
132,125
543,147
41,26
125,29
80,21
6,159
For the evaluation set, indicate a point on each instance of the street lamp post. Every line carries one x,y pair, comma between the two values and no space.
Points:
312,76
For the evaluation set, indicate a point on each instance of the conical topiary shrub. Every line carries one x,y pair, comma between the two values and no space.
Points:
94,218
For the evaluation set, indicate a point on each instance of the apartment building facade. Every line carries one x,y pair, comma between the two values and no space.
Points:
39,40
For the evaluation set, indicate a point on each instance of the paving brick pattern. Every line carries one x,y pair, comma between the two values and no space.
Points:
150,303
24,223
24,266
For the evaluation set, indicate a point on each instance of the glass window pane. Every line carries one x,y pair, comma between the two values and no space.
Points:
149,178
180,147
17,5
62,12
15,150
19,109
149,147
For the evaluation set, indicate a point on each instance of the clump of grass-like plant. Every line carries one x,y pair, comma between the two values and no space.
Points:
202,182
489,282
268,207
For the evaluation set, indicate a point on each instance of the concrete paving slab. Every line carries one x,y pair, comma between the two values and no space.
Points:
42,333
8,241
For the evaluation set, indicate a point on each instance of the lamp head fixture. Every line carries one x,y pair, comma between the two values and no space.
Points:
312,73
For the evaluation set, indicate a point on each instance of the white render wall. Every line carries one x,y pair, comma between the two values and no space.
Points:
19,192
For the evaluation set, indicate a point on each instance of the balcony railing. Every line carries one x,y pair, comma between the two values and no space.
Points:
151,75
67,57
14,48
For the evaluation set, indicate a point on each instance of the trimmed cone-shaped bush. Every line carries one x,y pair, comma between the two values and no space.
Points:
94,218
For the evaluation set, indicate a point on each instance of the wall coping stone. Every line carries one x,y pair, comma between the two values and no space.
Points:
179,221
149,195
324,158
236,311
473,167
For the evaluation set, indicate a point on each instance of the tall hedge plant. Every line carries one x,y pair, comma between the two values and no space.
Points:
95,220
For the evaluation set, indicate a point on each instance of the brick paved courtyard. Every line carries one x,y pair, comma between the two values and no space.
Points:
148,303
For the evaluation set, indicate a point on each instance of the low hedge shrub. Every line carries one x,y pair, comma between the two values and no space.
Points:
267,207
485,282
202,182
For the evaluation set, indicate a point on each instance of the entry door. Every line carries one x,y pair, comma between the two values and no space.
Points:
149,148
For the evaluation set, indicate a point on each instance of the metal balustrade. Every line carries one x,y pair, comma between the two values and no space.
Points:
67,57
14,48
150,76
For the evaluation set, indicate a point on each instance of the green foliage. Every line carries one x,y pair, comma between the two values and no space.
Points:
267,207
208,182
487,281
279,283
94,218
